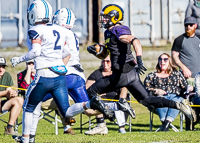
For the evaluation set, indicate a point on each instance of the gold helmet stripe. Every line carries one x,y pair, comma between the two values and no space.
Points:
111,8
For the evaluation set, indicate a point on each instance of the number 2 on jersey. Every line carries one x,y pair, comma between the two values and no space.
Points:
56,33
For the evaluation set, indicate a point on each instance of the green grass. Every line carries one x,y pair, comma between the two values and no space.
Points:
140,131
140,125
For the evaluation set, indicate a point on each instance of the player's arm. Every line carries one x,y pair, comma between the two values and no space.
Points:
89,83
66,54
129,39
34,51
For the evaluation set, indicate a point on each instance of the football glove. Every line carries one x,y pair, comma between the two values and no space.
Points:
15,61
92,49
140,66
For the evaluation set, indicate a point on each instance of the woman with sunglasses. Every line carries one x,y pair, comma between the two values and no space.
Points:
169,83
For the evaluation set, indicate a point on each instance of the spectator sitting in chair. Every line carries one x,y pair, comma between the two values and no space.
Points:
13,103
169,83
105,70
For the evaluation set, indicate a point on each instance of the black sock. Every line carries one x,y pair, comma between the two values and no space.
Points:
100,120
31,136
9,126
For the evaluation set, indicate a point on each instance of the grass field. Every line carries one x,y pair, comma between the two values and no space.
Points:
140,126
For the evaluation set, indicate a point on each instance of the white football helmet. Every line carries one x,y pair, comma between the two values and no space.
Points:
39,11
64,17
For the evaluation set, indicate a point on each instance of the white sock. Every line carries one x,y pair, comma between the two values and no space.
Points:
119,115
27,122
25,139
74,110
67,127
36,115
87,104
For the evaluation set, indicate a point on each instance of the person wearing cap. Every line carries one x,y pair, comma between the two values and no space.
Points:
12,103
186,50
193,9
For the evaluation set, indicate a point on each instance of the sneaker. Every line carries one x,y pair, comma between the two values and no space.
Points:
122,130
19,139
125,107
10,131
69,131
184,106
97,104
100,129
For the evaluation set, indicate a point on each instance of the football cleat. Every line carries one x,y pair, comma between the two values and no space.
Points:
125,107
184,106
97,104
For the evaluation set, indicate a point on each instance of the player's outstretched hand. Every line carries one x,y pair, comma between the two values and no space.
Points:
140,66
14,61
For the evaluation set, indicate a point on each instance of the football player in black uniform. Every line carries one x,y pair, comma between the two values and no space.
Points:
118,41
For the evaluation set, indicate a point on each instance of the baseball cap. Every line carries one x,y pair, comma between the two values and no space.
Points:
190,20
2,61
30,61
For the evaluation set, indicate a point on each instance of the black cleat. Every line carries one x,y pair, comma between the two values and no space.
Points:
97,104
125,107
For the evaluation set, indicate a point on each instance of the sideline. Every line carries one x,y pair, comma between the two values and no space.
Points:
101,98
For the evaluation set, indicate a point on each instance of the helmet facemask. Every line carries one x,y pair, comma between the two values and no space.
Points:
105,21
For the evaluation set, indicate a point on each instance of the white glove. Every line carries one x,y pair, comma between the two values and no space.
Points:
15,61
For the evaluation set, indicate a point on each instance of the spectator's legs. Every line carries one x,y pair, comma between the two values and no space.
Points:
172,113
15,107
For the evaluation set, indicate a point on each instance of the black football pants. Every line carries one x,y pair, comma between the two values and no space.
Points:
133,83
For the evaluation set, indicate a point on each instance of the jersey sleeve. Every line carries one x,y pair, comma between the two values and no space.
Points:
120,30
177,43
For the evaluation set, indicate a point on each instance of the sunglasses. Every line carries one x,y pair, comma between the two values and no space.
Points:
107,61
30,63
164,59
186,25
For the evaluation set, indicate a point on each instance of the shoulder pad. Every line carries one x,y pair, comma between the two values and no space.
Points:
120,30
32,34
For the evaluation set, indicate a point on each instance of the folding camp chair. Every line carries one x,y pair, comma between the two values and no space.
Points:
91,123
171,125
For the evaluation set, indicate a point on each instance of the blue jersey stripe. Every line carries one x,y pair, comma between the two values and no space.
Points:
47,9
69,16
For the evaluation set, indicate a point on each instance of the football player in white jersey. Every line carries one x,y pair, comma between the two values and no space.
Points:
47,46
75,77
